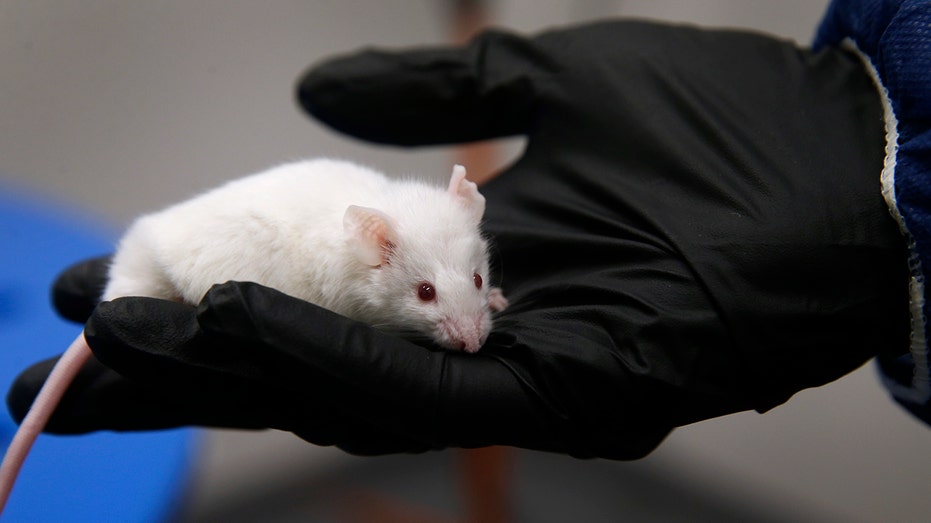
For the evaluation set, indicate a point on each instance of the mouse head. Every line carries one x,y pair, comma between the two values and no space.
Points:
427,262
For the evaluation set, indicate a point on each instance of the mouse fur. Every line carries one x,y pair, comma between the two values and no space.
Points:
290,228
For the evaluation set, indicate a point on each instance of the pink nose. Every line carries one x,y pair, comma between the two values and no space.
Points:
467,340
467,336
470,345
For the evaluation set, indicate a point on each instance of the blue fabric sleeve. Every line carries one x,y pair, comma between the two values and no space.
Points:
895,38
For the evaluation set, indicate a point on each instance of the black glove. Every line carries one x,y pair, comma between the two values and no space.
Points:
696,228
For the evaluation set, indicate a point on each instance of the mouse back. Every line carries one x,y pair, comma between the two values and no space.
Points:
280,227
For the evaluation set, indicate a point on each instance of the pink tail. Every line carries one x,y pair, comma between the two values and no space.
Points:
42,408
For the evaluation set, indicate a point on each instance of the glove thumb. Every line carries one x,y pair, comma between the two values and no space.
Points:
485,90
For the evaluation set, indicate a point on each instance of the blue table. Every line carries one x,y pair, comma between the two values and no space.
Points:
122,477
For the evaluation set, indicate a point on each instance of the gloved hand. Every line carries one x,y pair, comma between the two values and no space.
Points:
695,228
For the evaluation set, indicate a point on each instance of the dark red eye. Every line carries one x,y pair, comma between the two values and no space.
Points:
477,278
426,292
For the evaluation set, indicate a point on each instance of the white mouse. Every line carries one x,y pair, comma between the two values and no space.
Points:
400,255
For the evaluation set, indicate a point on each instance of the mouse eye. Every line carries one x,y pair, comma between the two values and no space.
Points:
425,291
477,278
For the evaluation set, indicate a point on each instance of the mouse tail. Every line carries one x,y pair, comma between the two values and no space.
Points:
43,406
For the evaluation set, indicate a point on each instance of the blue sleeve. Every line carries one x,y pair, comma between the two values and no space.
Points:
894,36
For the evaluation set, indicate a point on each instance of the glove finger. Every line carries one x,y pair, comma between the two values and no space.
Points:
78,288
188,377
429,96
101,399
158,344
98,399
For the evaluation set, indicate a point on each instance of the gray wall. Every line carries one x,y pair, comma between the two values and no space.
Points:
123,106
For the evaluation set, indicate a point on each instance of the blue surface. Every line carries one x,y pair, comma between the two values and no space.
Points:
123,477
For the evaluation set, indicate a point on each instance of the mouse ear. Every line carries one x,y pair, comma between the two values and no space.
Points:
466,193
371,234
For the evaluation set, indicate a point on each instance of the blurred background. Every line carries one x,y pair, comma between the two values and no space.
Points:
114,108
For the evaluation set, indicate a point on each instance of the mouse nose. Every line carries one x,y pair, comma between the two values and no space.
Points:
471,345
467,340
465,334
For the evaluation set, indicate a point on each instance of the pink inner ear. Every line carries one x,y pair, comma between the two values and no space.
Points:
466,193
370,233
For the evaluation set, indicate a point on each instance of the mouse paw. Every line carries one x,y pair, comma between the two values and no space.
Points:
496,300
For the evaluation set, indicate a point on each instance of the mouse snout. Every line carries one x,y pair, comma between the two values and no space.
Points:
466,334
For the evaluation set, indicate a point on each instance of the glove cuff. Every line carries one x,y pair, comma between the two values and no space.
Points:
891,37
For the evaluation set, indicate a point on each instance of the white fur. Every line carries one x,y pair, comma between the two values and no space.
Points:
283,228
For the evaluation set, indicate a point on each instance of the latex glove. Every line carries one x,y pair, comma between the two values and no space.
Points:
696,228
